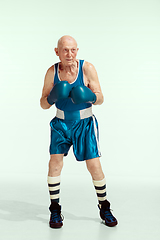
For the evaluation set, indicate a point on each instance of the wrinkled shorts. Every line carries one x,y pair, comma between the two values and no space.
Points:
82,134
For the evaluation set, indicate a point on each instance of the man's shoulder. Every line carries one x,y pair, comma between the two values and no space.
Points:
88,67
50,72
51,69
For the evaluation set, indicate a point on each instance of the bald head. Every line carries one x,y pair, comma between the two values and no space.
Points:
66,39
67,50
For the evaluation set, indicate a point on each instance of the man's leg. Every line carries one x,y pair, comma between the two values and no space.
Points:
95,169
54,173
99,181
55,165
55,168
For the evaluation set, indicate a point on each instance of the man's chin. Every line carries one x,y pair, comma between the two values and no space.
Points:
69,61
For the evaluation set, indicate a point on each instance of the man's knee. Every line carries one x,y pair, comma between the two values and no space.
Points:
93,164
95,169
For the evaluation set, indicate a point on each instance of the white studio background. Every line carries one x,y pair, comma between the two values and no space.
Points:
121,38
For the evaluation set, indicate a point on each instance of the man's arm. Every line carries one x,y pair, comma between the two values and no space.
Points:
48,85
92,81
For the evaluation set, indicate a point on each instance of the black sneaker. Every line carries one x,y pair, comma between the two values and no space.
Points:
55,218
106,215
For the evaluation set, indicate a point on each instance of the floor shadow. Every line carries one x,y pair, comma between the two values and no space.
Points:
23,211
71,216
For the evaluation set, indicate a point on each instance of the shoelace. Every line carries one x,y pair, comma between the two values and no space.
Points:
109,215
56,216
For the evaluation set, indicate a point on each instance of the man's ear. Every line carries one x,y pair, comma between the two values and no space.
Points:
56,51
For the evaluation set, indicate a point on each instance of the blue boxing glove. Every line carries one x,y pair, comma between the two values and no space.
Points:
82,94
60,90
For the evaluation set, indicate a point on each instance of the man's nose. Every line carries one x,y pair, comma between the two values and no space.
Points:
69,53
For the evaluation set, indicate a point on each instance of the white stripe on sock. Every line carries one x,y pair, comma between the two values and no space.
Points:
54,188
53,180
56,196
99,183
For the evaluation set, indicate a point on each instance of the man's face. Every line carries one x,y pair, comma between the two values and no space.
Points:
67,52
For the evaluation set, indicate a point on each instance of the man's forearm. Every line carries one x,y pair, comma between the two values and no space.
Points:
44,103
100,99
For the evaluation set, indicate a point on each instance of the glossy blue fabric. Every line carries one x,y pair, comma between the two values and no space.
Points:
67,104
82,134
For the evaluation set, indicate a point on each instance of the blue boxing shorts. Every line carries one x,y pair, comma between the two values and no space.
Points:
82,134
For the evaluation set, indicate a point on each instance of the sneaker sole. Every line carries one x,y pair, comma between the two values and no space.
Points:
56,225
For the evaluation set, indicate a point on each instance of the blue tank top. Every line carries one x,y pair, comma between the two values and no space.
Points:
67,104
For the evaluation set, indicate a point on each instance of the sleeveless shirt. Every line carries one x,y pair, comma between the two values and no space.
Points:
67,104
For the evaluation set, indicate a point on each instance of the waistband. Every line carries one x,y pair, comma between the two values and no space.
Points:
75,115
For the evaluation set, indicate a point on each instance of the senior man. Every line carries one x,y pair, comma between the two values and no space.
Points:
73,86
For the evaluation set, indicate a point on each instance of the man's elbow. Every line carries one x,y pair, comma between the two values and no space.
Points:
100,99
44,103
